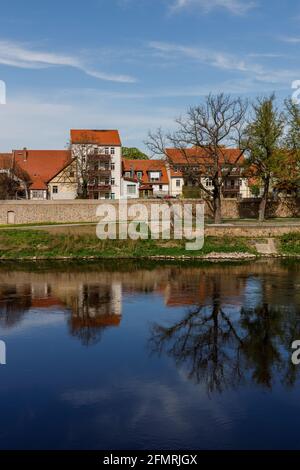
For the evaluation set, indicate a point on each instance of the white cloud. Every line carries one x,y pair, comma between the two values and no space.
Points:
18,55
236,7
227,62
45,121
290,39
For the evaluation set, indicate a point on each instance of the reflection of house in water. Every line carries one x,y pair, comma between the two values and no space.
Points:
197,287
92,306
15,300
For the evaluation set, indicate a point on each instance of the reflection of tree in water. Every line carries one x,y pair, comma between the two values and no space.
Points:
14,303
222,352
206,342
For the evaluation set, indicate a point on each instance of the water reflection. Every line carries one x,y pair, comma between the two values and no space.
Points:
233,324
241,329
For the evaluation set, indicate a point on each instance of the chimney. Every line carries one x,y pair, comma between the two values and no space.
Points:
25,153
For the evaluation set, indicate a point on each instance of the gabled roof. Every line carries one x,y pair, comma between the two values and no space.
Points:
198,155
98,137
146,166
42,165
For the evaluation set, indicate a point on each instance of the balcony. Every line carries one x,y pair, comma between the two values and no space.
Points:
101,186
231,191
93,173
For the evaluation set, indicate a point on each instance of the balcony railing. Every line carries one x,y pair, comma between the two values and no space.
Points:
93,173
99,186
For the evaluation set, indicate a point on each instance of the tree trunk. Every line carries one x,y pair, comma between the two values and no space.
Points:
217,206
264,199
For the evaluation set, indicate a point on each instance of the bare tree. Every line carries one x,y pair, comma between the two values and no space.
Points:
202,139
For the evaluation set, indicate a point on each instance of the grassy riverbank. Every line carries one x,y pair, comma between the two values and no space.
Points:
34,243
290,244
42,244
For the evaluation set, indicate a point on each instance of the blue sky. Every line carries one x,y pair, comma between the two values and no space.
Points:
135,64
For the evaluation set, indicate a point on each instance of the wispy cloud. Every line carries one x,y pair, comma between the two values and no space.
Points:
290,39
21,56
236,7
225,61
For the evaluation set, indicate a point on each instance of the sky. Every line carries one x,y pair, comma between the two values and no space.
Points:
135,65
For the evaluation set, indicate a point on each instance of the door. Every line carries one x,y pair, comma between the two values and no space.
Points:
11,217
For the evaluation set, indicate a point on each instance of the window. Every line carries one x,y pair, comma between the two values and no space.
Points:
37,194
112,150
55,189
107,181
112,181
96,167
160,187
177,183
154,175
139,174
131,189
72,174
96,195
127,174
107,195
208,183
106,167
112,166
113,196
106,151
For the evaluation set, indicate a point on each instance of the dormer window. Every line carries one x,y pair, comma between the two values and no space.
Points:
154,175
139,174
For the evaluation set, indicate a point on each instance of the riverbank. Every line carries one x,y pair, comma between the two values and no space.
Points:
39,244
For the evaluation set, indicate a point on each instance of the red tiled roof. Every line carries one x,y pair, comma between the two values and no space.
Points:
42,165
38,183
99,137
145,166
132,180
5,161
175,173
194,155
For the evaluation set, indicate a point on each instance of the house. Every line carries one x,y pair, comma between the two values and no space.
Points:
98,154
194,165
129,188
64,184
152,176
176,181
41,166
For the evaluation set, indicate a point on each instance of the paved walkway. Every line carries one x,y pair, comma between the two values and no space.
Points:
268,248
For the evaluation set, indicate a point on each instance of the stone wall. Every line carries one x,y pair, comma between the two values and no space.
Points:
248,208
33,212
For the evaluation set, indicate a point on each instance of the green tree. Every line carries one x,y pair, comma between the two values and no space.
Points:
133,153
289,176
264,136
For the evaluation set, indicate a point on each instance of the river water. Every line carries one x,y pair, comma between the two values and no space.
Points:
149,356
